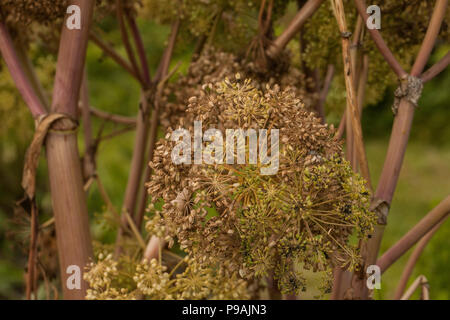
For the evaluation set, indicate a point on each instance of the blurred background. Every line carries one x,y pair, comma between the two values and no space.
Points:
424,179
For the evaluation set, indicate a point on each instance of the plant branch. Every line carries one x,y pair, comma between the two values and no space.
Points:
427,223
32,255
356,44
140,49
109,51
126,41
430,37
105,195
341,127
115,133
379,42
308,9
407,271
325,90
112,117
437,68
135,175
18,74
361,95
31,74
350,88
402,127
343,278
423,283
164,64
155,244
135,231
142,129
364,74
162,77
89,144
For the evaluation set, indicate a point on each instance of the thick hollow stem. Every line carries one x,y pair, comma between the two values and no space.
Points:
386,187
397,144
340,278
70,65
68,196
69,207
396,151
403,120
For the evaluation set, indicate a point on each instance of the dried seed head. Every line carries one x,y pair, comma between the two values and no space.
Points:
263,224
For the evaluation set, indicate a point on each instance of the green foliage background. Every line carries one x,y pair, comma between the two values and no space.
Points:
424,179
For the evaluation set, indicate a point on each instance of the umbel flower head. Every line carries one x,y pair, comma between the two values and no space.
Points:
404,24
24,12
255,225
128,279
214,65
32,20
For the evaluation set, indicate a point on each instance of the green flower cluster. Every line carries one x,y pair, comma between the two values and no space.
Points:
214,65
226,24
127,279
24,12
403,27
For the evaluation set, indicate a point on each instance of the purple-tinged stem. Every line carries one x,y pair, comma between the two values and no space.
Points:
430,37
308,9
427,223
108,50
437,68
18,74
66,181
140,49
407,271
379,42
